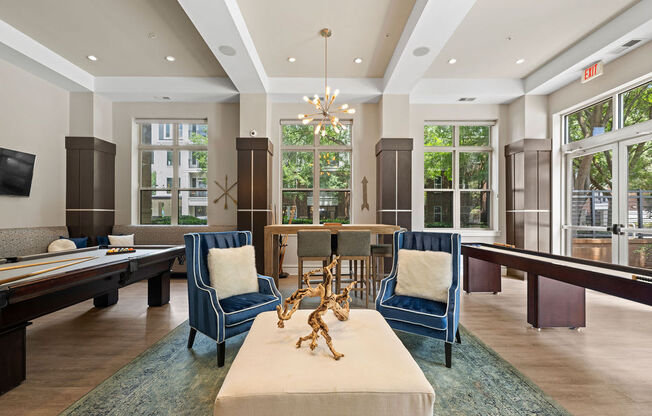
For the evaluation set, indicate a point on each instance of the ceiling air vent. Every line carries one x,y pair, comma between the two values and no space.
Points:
622,48
466,99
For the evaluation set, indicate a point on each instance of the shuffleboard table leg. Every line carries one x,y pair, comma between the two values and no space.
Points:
12,357
107,299
158,290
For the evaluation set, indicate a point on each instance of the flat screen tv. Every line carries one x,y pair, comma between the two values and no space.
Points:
16,170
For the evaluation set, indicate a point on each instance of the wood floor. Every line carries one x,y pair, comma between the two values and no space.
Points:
606,369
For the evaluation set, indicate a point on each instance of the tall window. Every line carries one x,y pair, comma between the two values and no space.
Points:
173,165
316,174
457,175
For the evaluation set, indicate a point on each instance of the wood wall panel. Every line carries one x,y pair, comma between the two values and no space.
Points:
394,182
90,187
528,183
255,190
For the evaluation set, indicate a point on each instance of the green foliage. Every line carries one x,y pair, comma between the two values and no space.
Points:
298,170
438,135
474,135
183,219
335,170
202,156
343,138
298,135
153,183
581,123
474,170
438,170
637,105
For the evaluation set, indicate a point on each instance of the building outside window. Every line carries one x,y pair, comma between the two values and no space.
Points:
457,175
315,174
173,159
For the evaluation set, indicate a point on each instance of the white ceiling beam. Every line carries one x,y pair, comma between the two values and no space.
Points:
223,28
177,89
28,54
633,23
354,90
430,25
450,90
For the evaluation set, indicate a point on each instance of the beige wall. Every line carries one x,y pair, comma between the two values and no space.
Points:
34,119
223,124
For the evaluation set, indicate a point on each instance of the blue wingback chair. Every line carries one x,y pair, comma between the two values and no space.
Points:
422,316
222,318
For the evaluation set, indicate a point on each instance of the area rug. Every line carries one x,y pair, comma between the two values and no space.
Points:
169,379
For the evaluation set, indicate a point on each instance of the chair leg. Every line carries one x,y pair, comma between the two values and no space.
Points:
191,337
300,273
448,348
338,277
457,336
221,352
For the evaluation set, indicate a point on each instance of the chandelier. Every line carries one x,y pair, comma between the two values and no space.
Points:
324,114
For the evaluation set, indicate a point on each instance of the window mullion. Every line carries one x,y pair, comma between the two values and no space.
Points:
174,195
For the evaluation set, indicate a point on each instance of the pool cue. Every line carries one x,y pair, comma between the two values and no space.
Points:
20,266
13,279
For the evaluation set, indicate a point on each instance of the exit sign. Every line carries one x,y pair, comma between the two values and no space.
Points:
592,72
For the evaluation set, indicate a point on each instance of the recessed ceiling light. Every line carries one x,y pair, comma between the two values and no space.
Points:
520,61
165,98
227,50
92,57
452,61
151,35
170,58
292,59
357,60
421,51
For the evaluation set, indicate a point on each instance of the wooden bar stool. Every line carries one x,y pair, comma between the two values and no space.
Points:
313,245
355,246
378,254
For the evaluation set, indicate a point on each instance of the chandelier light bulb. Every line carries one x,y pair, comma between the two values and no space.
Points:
351,111
301,115
306,120
317,128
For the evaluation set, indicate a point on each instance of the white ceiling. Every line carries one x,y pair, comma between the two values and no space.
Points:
116,31
539,30
368,29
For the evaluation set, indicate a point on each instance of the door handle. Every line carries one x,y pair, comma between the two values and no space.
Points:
616,229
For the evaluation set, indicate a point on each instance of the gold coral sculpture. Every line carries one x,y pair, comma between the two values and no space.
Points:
339,304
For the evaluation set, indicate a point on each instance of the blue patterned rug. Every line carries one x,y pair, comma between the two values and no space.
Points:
169,379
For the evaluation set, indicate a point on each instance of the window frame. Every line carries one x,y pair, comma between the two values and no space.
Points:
175,190
455,148
316,148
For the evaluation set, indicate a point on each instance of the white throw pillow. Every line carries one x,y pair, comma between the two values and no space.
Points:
233,270
121,240
424,274
62,244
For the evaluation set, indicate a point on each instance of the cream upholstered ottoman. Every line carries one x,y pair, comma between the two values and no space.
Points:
377,375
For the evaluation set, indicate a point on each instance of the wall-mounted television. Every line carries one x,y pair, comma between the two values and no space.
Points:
16,170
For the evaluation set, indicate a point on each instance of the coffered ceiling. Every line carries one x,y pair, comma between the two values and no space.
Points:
496,33
117,32
367,29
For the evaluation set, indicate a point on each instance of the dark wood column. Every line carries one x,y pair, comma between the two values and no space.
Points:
255,190
394,182
90,187
528,170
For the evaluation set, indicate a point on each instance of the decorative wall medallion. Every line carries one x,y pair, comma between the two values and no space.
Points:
225,192
365,203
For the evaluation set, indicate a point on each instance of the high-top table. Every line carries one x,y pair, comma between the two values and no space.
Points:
271,243
377,376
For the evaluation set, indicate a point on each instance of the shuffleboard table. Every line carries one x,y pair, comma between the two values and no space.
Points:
34,286
555,284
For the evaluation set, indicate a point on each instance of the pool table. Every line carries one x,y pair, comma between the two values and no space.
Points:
34,286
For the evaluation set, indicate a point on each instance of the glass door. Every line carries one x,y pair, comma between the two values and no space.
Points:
591,209
635,202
